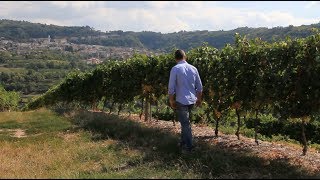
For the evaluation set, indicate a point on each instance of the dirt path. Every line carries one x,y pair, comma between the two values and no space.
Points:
18,133
266,150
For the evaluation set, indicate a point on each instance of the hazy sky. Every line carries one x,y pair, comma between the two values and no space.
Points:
163,16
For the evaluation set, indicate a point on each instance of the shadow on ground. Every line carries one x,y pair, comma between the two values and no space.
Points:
160,148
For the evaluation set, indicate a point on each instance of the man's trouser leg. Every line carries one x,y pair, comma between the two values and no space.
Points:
183,113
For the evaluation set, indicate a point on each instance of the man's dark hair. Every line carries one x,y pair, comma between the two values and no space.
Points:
179,54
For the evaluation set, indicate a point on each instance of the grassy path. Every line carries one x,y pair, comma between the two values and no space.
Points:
96,145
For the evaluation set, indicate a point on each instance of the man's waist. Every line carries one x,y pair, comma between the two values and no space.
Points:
186,101
182,104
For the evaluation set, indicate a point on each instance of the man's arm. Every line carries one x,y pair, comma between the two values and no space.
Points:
172,88
199,88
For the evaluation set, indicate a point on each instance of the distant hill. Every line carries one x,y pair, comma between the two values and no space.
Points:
24,31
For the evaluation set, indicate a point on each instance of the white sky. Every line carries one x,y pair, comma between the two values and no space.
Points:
164,16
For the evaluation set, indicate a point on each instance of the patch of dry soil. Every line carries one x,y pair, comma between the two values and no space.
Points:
18,133
266,150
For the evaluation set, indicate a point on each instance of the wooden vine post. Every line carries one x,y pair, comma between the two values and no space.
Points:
218,115
238,122
147,107
303,136
256,122
141,112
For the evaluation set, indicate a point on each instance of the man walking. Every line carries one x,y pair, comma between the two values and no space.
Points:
186,84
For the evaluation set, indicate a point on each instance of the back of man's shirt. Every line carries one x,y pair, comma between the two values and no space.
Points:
185,82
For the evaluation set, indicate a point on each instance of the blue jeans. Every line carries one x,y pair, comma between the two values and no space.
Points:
183,114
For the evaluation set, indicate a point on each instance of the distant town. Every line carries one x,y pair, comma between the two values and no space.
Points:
95,54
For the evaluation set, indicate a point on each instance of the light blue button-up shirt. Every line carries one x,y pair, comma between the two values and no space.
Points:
185,82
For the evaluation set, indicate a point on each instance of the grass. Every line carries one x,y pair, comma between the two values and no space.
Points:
96,145
56,148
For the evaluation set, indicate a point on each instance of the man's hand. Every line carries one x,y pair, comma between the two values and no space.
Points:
199,99
172,101
198,102
173,104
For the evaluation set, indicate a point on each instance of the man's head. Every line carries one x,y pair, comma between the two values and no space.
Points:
180,55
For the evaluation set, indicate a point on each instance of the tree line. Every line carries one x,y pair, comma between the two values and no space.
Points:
23,30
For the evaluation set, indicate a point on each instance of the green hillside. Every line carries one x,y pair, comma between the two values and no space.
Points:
23,30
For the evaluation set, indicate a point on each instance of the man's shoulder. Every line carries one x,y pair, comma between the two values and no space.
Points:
174,68
192,67
177,66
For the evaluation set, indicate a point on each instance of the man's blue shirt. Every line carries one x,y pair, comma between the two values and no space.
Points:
185,82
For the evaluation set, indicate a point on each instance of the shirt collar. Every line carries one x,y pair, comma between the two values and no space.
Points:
182,61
